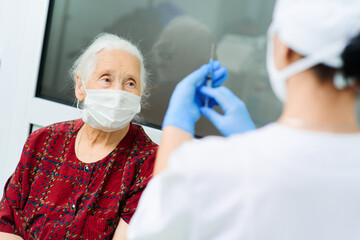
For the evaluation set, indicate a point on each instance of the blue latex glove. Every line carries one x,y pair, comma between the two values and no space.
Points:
185,102
235,119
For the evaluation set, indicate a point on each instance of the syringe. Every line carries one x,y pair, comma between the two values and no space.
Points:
209,76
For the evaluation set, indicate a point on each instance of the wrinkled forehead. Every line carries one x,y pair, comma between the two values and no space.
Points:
116,60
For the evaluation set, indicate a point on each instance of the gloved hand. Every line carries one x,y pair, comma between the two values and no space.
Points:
236,118
185,102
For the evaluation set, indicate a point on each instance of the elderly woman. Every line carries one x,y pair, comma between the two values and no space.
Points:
81,179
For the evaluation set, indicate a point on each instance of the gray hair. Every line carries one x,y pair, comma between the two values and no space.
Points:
86,62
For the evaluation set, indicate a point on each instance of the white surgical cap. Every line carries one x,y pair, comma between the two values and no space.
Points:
313,26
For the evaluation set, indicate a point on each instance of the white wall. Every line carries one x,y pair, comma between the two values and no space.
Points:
11,28
2,7
19,44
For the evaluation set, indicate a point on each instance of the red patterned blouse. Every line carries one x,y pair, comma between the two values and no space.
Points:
53,195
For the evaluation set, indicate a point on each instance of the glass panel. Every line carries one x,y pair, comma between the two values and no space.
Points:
175,38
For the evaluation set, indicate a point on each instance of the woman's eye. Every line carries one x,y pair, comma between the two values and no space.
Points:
106,80
131,84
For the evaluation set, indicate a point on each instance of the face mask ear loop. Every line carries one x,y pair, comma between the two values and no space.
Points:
77,104
84,86
311,60
308,61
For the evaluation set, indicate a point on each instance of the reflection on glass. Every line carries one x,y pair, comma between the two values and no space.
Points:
183,46
175,38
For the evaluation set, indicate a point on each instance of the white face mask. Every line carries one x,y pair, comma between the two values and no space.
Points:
109,109
278,78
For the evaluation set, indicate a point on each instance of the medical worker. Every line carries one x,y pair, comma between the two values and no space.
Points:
295,179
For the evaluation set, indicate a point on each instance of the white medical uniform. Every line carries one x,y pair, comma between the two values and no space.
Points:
274,183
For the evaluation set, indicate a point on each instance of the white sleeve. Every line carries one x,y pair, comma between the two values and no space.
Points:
164,211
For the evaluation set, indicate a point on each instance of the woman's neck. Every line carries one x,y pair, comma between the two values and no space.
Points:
92,144
319,106
95,136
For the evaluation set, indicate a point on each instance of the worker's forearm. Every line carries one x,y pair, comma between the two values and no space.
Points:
172,138
9,236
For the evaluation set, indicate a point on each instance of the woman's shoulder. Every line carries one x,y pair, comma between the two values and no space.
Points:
55,129
142,138
46,139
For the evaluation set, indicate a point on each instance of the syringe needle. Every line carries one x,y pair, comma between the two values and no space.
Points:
210,76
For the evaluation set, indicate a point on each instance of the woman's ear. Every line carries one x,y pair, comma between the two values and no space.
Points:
79,89
284,56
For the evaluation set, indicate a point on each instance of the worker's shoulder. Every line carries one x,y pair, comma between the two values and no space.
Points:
222,153
236,142
141,137
256,138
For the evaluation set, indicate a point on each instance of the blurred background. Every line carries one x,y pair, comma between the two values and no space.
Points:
175,38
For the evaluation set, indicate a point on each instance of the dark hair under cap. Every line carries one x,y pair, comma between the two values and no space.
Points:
351,59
